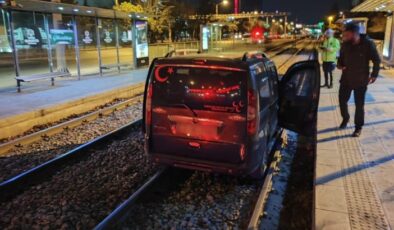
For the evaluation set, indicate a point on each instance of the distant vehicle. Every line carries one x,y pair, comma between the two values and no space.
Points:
226,36
222,115
274,36
246,35
237,36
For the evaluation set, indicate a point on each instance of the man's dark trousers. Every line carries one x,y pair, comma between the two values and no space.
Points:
359,99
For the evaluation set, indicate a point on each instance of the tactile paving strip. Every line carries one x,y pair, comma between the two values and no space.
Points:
364,207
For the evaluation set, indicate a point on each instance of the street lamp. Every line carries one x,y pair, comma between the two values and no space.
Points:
330,19
224,2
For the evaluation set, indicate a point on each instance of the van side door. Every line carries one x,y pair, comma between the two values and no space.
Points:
263,89
299,92
274,97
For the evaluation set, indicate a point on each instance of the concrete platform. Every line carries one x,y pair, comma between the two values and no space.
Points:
355,176
40,103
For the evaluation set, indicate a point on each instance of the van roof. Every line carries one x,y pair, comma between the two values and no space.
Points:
230,60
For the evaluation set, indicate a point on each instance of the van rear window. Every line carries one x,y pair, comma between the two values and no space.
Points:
200,88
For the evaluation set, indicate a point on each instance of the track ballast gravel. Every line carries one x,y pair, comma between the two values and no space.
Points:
204,201
23,158
81,195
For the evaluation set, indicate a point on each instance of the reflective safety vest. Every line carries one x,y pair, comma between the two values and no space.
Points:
331,47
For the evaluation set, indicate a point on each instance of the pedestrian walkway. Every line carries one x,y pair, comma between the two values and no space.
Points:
355,176
40,94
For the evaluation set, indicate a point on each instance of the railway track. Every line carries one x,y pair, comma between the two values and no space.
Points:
90,163
293,53
57,128
79,188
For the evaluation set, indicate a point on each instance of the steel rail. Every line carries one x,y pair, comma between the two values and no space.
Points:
42,172
283,47
265,189
295,54
33,137
116,216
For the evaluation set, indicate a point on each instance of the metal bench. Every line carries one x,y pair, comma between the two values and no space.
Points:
37,77
182,52
116,65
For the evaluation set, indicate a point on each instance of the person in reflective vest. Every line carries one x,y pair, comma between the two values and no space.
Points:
330,48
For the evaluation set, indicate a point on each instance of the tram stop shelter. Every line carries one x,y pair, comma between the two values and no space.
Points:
385,7
38,38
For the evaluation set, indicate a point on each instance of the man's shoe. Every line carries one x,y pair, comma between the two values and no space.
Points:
330,86
325,85
357,132
344,124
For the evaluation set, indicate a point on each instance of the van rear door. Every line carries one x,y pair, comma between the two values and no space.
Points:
199,112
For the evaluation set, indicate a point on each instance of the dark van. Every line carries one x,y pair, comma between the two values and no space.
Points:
221,114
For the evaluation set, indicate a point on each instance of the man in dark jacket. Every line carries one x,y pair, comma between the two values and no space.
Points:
356,53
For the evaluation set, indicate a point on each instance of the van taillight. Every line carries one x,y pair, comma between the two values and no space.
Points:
253,121
148,107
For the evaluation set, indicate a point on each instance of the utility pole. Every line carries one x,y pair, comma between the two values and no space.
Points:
236,6
285,30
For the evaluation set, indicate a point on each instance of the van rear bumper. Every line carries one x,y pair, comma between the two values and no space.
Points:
202,165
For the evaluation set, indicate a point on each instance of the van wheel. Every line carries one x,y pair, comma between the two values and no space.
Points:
259,173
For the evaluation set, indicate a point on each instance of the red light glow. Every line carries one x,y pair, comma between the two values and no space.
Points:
215,67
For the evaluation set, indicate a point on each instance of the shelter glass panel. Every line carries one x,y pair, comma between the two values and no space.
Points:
107,32
125,41
7,70
61,29
87,41
31,41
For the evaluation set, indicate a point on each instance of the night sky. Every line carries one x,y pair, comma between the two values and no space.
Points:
306,11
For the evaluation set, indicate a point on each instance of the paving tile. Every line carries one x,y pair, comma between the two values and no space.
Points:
331,198
325,143
329,175
329,220
328,157
391,223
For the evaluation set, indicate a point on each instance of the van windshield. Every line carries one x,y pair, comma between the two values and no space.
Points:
200,88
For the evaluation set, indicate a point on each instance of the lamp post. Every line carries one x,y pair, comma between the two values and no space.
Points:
224,2
330,19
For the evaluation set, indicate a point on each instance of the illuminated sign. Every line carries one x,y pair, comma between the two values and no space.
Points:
62,37
126,36
205,38
142,39
87,39
107,38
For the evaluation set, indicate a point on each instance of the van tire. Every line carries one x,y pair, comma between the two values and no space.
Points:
259,172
